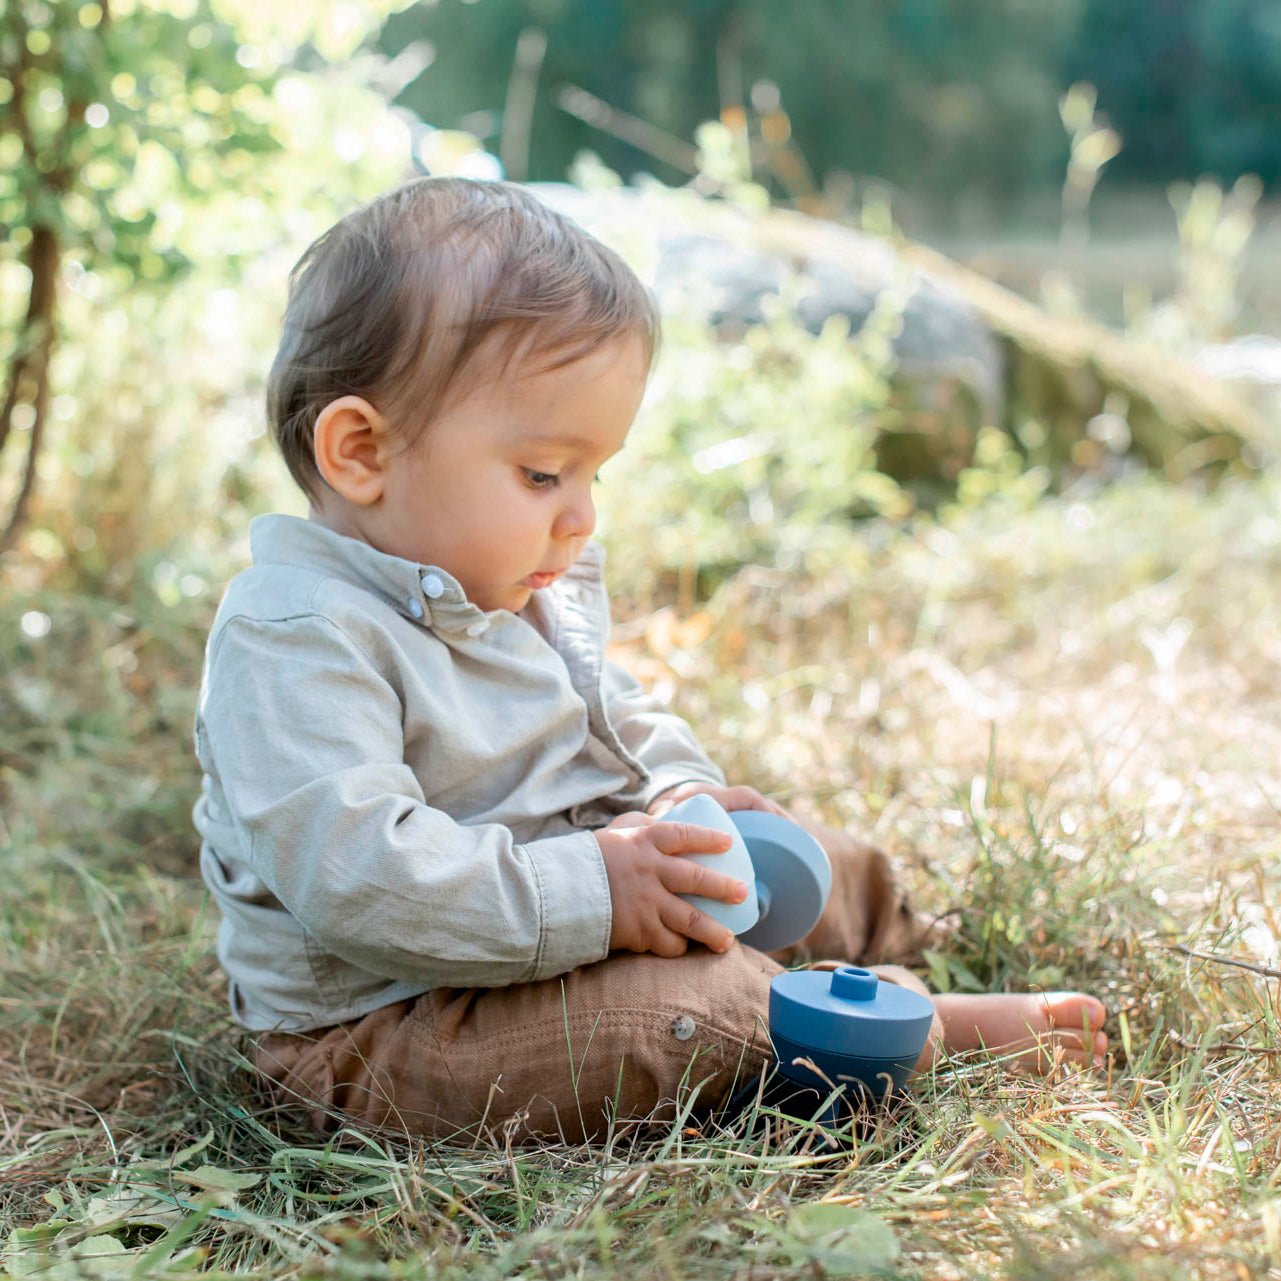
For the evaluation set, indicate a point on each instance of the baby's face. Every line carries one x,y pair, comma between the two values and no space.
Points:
498,490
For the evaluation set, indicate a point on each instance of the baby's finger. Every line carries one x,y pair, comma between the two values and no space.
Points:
748,798
681,876
741,798
685,919
688,838
664,941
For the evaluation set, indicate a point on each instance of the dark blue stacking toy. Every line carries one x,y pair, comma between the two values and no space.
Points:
845,1027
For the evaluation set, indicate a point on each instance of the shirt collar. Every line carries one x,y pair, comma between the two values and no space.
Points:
425,593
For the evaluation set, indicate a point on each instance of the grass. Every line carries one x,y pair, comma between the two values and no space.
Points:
1065,723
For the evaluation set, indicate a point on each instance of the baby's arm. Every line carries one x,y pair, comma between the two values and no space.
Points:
666,745
660,740
740,797
304,734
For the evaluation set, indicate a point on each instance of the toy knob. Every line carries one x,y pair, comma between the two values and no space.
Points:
851,983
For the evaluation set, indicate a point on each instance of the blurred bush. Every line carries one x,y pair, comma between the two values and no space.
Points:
165,164
112,122
758,450
180,154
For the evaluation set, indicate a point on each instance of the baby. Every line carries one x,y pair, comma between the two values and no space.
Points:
432,810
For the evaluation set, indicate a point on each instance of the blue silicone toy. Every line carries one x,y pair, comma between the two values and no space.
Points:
845,1027
793,879
738,861
787,874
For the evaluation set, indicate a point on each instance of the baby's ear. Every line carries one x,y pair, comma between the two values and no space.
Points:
351,441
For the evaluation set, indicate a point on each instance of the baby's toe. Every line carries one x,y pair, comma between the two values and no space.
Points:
1074,1010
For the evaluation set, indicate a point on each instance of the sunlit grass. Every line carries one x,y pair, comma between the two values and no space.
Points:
1065,723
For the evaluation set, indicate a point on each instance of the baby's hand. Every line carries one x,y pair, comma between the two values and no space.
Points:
646,873
729,798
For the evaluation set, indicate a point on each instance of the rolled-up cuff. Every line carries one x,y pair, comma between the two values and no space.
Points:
577,912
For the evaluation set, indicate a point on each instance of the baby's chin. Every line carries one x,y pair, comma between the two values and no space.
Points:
514,599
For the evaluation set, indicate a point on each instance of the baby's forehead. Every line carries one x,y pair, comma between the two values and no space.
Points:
517,366
580,407
525,434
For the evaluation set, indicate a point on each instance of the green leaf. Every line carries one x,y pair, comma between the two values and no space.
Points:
39,1234
215,1179
128,1204
99,1258
188,1153
949,973
844,1240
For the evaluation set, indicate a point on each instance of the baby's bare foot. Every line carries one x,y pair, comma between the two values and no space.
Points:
1040,1030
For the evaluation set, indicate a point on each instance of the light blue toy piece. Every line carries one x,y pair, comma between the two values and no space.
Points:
830,1028
702,811
846,1027
787,873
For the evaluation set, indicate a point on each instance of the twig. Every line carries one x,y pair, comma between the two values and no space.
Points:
640,134
1266,970
1222,1047
518,111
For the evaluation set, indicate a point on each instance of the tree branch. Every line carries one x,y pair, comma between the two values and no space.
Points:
33,364
30,363
17,118
1266,970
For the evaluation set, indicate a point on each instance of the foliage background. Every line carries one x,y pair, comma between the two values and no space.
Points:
915,93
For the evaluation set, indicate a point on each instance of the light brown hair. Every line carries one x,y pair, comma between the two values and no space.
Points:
394,303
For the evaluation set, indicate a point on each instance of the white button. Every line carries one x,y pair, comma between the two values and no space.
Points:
683,1027
433,585
415,607
478,629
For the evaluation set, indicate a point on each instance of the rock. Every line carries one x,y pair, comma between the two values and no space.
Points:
948,374
941,334
969,353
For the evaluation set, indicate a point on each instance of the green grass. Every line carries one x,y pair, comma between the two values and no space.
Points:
1065,723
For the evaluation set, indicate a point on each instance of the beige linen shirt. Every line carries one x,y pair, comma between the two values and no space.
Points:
400,788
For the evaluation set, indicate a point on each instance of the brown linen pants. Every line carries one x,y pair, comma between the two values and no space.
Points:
628,1037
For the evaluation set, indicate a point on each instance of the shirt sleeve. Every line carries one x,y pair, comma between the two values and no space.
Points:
661,741
305,734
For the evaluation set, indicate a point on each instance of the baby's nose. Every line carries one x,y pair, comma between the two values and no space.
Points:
578,520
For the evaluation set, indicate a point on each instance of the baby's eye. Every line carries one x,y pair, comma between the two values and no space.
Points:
540,479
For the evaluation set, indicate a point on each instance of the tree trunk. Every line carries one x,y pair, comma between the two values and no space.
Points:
29,370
